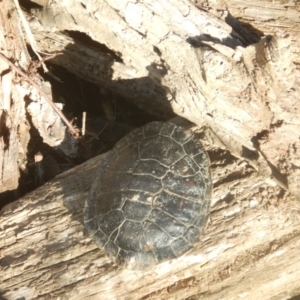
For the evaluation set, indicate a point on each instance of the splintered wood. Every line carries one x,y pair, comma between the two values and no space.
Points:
168,57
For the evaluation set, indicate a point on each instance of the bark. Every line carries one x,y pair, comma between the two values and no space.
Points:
173,57
15,125
250,249
14,135
201,64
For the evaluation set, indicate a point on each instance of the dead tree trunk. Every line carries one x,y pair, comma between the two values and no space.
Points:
250,248
175,57
204,66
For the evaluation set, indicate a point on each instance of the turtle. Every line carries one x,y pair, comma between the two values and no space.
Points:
150,199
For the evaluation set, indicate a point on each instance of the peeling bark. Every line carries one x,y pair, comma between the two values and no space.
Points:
177,58
168,57
13,124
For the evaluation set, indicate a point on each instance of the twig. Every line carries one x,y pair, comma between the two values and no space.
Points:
29,34
71,128
83,123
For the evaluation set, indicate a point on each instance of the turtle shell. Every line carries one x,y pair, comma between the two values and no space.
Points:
150,199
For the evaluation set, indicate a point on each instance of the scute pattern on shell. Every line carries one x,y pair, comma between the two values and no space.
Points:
150,199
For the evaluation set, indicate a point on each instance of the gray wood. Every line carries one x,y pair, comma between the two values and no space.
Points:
245,98
194,64
250,247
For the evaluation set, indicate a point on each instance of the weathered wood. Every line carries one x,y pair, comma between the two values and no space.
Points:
250,249
181,59
17,84
190,62
14,127
248,96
